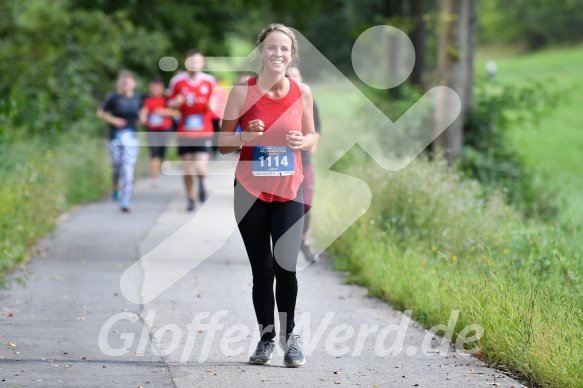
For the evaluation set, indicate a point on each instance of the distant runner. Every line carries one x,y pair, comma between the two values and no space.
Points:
191,95
294,73
120,110
157,118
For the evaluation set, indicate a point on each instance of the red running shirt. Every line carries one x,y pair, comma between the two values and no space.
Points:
196,117
157,122
279,116
219,101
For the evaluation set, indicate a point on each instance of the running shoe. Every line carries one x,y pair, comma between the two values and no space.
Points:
125,207
115,195
293,356
190,206
308,251
262,353
201,193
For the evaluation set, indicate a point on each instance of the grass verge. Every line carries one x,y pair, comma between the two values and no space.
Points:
430,243
40,179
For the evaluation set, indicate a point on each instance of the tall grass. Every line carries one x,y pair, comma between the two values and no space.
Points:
40,178
432,242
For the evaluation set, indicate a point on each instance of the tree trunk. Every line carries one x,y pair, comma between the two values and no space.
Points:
418,38
395,9
455,67
470,54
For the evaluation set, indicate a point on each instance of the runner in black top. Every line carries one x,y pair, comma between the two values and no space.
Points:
120,110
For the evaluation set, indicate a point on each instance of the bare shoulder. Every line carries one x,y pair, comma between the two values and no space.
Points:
305,89
239,92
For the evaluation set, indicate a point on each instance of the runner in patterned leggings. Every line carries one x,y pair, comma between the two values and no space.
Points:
120,110
275,113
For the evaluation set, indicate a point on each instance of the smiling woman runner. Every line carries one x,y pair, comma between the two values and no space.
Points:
275,113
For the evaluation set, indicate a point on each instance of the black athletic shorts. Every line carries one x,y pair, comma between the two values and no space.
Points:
157,140
193,145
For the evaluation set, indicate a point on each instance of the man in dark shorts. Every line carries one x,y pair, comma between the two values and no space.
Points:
191,95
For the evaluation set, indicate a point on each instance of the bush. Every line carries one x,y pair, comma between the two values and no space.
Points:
487,155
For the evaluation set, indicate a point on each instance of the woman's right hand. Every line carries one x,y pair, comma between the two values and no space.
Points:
254,129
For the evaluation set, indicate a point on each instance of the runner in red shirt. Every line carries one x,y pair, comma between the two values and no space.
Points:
157,118
191,96
276,114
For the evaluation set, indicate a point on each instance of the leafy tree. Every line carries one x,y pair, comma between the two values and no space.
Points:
488,155
57,59
203,24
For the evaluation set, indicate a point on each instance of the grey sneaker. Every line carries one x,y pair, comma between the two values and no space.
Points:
293,356
262,353
308,251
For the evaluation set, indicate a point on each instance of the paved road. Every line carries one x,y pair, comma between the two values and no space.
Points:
75,322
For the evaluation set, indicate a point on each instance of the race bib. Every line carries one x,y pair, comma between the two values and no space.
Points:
155,120
272,161
194,122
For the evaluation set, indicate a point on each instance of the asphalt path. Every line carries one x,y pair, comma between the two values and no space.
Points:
161,297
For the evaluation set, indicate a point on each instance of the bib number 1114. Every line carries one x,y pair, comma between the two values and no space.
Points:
273,161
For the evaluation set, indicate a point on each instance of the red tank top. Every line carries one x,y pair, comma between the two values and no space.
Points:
268,154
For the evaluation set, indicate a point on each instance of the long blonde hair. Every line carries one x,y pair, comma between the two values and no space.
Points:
277,27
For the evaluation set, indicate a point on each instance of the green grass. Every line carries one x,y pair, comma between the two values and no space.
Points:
40,179
431,243
553,147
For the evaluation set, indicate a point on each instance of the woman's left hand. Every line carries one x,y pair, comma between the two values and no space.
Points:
295,139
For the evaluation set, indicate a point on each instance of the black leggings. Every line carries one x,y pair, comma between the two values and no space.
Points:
260,224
